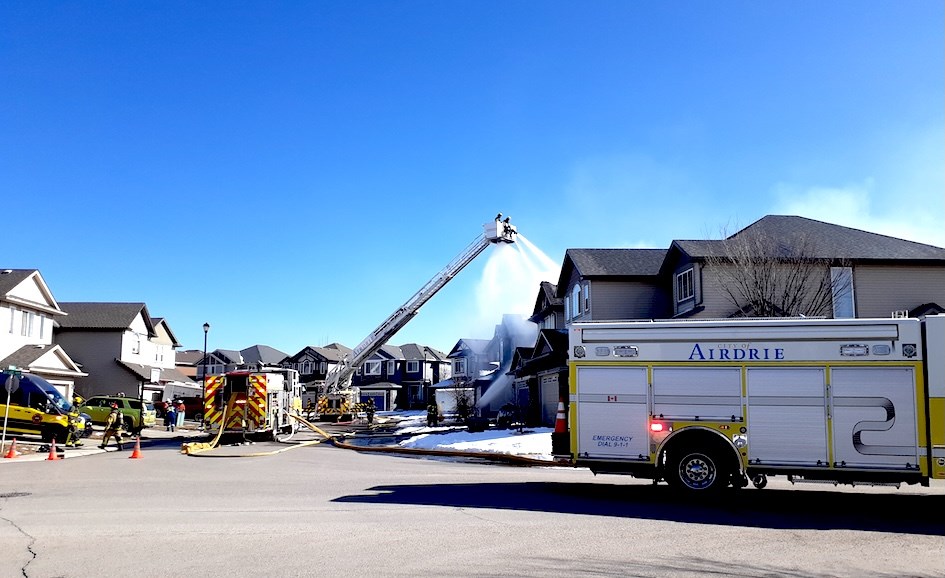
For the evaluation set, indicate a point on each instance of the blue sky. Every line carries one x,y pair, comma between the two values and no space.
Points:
292,172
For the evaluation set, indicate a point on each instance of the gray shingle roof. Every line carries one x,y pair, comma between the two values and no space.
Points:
102,315
10,278
616,262
824,240
262,354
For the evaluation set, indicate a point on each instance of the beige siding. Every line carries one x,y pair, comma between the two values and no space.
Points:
880,290
625,300
715,301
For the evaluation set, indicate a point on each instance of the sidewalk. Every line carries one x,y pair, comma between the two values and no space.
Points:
31,450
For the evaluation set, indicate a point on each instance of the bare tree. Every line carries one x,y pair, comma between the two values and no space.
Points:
763,276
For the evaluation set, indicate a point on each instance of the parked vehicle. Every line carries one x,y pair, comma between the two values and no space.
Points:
135,417
37,408
709,404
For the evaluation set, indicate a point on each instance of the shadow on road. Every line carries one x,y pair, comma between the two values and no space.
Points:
768,508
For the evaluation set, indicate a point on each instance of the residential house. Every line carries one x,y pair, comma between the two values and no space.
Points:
379,377
313,363
482,368
121,348
421,368
881,275
541,373
252,358
219,361
28,312
497,388
541,377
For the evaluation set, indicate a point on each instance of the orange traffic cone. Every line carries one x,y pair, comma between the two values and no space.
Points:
52,451
12,452
136,454
561,421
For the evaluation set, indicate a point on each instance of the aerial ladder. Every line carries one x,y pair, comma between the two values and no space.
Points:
338,397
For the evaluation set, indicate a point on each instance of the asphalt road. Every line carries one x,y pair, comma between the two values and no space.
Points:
324,511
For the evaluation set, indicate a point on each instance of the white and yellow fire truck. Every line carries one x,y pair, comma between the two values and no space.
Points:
709,404
253,403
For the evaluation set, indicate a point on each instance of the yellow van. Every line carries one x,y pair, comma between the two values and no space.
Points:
37,408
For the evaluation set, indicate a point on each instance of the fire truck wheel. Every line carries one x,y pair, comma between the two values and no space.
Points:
696,470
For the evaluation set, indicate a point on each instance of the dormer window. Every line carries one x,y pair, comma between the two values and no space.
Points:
685,289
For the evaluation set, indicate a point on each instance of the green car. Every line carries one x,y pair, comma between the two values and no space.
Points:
135,415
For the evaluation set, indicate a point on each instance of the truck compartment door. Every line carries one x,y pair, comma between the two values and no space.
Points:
697,393
612,412
874,416
787,416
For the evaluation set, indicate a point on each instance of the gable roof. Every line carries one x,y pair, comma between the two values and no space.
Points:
824,240
13,279
610,263
103,316
476,346
44,359
155,321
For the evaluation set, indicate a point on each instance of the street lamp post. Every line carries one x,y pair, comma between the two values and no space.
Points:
203,397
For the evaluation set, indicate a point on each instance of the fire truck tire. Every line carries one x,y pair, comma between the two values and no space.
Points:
696,470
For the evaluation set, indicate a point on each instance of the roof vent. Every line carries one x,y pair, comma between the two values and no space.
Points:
6,271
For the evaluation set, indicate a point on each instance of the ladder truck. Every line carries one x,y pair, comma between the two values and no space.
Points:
336,398
705,404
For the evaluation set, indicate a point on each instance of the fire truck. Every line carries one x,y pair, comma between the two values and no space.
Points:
705,405
253,403
336,398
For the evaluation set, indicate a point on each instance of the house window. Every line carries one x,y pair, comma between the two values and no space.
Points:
413,366
459,367
587,296
323,367
841,286
575,301
684,286
306,367
12,316
42,326
372,368
391,367
24,323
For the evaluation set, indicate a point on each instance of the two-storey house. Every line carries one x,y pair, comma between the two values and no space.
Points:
121,348
28,312
313,363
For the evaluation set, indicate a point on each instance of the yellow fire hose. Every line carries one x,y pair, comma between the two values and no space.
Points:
191,448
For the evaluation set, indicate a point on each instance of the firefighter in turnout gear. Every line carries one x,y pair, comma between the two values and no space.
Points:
113,427
433,414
